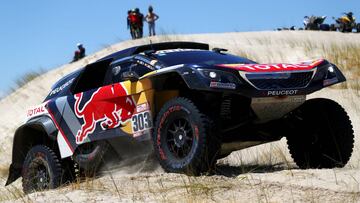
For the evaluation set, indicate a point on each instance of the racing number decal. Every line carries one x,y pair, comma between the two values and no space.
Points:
141,121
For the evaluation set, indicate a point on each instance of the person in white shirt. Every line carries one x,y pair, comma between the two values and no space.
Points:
150,18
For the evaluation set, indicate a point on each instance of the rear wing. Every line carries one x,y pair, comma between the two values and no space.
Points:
156,47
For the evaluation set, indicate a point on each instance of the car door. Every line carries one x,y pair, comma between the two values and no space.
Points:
102,111
93,109
140,92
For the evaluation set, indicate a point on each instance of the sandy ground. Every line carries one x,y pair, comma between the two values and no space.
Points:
260,174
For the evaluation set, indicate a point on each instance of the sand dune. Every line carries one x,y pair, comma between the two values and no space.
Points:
263,173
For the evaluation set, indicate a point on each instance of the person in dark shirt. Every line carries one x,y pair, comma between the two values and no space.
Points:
80,53
129,24
141,21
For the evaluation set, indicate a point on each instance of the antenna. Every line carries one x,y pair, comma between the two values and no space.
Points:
151,51
219,50
151,44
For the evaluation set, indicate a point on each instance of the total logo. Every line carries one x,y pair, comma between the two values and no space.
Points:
282,92
36,111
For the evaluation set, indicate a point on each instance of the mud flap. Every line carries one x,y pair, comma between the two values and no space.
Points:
14,173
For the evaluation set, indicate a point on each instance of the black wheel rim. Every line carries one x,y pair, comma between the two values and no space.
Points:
179,138
40,177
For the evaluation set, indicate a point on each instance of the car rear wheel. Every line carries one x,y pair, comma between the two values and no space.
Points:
89,157
323,136
41,170
184,139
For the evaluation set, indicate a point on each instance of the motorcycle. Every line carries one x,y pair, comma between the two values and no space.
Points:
315,23
345,23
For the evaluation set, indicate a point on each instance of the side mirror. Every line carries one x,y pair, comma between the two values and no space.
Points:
130,75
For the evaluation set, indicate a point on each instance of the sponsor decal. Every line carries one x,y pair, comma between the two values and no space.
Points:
164,52
273,67
142,107
141,120
331,81
282,92
109,105
223,85
59,89
160,128
153,62
145,64
37,111
196,133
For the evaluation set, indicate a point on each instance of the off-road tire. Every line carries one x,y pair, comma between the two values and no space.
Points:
70,170
358,28
41,170
323,136
196,129
89,162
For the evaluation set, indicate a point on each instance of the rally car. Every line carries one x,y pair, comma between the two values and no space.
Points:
193,104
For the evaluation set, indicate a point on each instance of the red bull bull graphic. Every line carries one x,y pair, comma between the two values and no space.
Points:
109,105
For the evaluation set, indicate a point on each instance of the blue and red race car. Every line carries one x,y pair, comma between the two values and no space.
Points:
192,104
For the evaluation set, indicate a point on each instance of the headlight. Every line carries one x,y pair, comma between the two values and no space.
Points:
220,79
212,74
330,77
217,75
330,72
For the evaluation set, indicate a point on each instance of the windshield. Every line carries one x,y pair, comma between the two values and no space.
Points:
175,57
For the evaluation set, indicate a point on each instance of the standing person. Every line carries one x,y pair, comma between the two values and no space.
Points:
141,21
151,17
135,24
128,19
80,53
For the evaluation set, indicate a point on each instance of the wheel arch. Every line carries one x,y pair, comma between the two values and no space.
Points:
167,86
183,83
40,130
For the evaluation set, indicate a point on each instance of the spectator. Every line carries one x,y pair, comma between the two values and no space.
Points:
135,24
80,53
129,24
141,21
150,18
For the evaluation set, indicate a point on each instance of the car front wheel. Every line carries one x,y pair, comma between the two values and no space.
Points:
184,139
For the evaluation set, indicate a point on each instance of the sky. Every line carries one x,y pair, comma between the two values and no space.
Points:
42,34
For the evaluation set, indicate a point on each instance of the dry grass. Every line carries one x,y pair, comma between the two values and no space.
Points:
26,78
347,58
12,192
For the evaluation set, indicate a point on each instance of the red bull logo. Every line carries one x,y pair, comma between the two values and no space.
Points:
109,105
